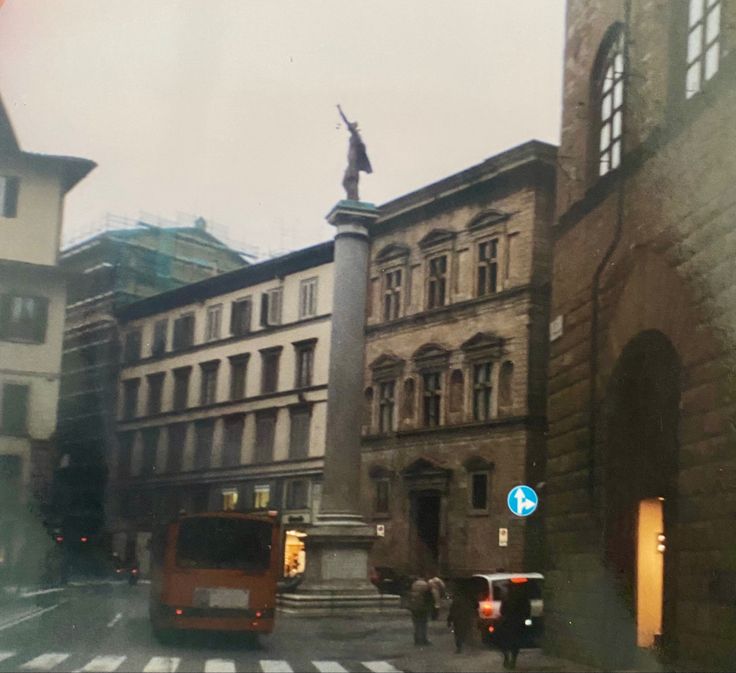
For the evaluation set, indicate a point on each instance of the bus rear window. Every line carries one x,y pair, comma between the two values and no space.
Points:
224,543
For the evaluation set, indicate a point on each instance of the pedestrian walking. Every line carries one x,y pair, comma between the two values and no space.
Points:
515,610
437,587
463,613
420,606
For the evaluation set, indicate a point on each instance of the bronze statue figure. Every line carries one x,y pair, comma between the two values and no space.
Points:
357,159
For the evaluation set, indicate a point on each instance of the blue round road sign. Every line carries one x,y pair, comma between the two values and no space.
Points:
522,500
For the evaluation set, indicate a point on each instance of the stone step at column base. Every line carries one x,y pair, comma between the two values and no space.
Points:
338,603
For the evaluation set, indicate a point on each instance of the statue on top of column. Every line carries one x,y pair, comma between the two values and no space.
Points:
357,159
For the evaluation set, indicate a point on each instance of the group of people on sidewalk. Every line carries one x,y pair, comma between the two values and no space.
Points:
424,601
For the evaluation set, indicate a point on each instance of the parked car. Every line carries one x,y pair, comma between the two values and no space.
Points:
389,581
125,571
489,590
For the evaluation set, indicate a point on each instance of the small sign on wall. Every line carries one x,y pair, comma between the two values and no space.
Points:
503,537
380,530
556,328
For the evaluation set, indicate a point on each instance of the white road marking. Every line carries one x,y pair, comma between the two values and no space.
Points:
45,662
27,616
219,666
162,665
41,592
329,667
115,620
104,664
6,655
380,667
275,666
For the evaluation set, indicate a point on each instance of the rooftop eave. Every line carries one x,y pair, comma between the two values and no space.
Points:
71,169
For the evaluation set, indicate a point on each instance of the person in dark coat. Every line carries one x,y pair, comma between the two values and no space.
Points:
515,610
463,613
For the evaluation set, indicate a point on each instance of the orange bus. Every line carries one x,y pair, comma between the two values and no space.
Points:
215,571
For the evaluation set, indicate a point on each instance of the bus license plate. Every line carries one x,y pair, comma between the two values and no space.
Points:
222,598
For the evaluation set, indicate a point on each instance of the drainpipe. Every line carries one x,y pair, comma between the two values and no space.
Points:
596,285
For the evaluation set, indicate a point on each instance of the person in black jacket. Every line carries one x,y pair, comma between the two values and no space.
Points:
515,610
463,613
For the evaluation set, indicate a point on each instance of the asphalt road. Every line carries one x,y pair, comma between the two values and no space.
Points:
106,628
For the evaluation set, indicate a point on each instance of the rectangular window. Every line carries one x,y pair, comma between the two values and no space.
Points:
271,307
240,316
479,490
261,496
482,391
387,406
381,502
437,284
160,332
125,454
270,370
132,347
432,399
183,332
23,318
300,418
229,499
265,433
308,298
155,392
150,449
15,409
296,494
488,267
233,440
392,294
9,195
703,43
214,323
238,372
208,382
130,398
203,433
176,445
304,365
181,387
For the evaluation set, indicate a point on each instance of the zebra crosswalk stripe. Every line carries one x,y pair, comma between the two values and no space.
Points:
104,664
219,666
162,665
6,655
380,667
275,666
45,662
329,667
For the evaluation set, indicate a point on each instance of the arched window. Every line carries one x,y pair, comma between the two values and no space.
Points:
608,100
505,387
703,43
457,392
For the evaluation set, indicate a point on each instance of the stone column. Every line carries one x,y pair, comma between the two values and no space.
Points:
336,575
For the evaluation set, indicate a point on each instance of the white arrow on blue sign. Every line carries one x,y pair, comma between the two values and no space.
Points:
522,500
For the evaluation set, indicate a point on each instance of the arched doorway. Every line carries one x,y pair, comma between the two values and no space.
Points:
640,442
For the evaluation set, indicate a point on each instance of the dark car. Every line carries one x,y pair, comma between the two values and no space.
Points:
124,571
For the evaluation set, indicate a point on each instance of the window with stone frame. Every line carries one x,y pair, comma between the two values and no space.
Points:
155,392
261,496
238,375
387,406
23,318
132,346
229,499
160,337
297,494
392,286
270,358
436,281
482,391
381,481
265,435
308,298
232,439
203,434
177,438
208,382
431,399
300,418
304,363
130,398
181,387
213,324
408,401
487,270
149,438
479,471
241,312
271,307
608,100
703,44
183,332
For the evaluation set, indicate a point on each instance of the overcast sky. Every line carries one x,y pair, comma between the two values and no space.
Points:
226,108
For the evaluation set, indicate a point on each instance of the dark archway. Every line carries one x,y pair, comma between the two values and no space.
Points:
640,462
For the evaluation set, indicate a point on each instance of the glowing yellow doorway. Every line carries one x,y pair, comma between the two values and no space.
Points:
650,550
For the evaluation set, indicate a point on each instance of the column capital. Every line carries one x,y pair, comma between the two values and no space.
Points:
352,213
